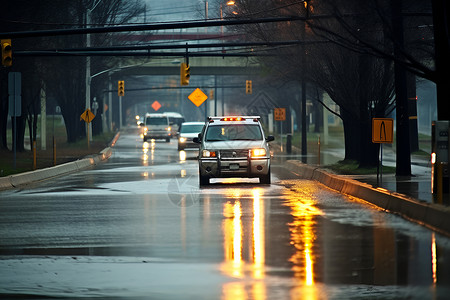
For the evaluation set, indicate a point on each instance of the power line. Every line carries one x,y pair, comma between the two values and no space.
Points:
147,27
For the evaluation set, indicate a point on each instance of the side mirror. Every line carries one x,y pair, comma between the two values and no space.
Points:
198,139
270,138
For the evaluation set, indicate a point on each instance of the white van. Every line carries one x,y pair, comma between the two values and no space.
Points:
175,119
157,126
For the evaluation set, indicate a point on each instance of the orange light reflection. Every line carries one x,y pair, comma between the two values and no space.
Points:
434,258
244,250
302,228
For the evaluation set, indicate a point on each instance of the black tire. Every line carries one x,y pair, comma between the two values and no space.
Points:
265,179
167,140
204,180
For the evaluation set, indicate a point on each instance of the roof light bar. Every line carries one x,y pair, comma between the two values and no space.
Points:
233,119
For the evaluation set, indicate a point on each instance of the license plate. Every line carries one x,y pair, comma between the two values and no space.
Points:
234,166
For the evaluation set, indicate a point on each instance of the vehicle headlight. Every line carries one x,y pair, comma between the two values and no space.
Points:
207,153
168,128
258,152
182,139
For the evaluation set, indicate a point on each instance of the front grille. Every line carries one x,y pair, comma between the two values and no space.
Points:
234,153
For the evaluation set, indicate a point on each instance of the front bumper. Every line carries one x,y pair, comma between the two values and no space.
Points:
241,167
157,135
188,144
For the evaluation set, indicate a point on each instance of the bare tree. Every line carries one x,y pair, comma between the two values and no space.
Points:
62,77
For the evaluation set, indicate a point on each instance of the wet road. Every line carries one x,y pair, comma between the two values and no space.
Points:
139,226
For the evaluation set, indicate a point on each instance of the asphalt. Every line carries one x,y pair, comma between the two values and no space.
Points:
408,196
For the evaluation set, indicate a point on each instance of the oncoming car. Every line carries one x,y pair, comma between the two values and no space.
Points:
175,120
189,131
156,127
234,147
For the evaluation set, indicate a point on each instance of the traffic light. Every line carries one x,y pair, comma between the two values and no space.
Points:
6,53
121,88
185,73
248,86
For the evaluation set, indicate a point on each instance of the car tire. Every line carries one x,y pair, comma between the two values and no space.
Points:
265,179
167,140
204,180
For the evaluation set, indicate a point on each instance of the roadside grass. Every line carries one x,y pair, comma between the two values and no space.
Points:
64,151
351,167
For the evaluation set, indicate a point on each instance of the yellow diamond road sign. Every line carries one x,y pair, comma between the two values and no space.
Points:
87,116
197,97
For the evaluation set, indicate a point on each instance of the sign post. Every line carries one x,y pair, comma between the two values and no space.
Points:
280,115
198,97
87,116
382,133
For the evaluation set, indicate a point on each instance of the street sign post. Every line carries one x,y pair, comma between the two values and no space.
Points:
87,116
197,97
382,133
280,115
156,105
382,130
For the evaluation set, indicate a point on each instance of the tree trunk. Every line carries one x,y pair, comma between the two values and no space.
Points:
318,116
3,109
351,137
369,151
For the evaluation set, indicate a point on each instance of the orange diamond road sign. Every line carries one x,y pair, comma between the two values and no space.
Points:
87,116
156,105
279,114
197,97
382,130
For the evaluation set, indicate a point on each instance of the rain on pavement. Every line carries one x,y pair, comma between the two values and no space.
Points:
139,226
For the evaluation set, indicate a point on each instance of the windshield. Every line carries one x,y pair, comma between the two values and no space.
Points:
176,120
233,132
156,121
193,128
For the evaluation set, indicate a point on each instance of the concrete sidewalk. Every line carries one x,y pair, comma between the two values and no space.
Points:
408,196
21,179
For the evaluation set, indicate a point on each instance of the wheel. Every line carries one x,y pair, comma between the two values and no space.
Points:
167,140
145,139
265,179
204,180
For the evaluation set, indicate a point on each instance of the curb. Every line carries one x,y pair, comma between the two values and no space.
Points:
432,215
17,180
